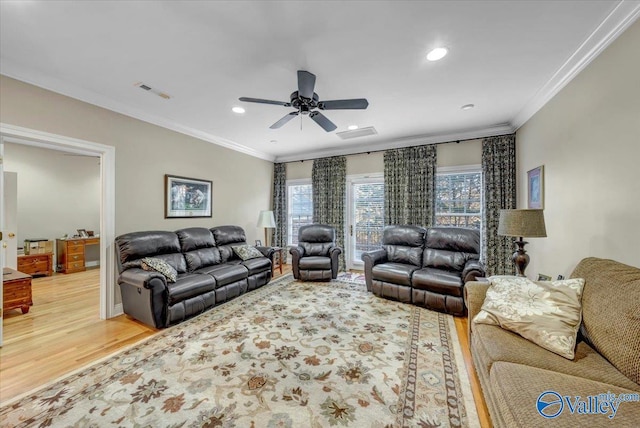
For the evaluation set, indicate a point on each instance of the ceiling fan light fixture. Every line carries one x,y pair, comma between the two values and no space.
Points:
238,110
467,107
352,127
437,54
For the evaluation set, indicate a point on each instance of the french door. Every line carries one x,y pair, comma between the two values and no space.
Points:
365,217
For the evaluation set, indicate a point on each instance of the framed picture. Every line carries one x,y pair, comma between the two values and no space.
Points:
258,243
186,197
83,233
535,185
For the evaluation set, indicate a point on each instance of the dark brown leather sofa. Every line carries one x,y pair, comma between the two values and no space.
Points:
426,267
315,258
209,272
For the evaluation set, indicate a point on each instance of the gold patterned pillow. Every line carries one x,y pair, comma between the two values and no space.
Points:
159,265
246,252
548,313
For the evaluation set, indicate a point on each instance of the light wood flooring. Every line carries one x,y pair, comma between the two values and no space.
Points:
63,332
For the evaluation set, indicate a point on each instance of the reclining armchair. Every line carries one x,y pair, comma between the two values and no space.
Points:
316,256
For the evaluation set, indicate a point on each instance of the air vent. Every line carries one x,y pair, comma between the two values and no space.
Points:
360,132
150,89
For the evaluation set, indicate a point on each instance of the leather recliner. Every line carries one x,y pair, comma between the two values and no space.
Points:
316,256
426,267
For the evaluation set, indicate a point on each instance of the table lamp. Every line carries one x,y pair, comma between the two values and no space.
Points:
266,220
521,223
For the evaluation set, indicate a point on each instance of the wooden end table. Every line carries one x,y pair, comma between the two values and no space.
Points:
16,290
279,258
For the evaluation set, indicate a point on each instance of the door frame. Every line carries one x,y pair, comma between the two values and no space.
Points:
351,180
20,135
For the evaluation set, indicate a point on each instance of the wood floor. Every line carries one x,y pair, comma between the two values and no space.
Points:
63,332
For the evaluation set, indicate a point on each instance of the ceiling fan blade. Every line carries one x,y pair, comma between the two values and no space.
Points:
354,104
306,83
322,120
284,120
261,101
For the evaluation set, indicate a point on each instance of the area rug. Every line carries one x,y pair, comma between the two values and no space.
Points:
290,354
355,277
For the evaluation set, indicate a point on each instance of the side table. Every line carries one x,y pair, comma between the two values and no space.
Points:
279,258
16,290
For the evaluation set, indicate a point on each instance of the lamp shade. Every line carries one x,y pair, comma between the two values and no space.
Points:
522,223
266,219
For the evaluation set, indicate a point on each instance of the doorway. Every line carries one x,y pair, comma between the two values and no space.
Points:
106,154
365,216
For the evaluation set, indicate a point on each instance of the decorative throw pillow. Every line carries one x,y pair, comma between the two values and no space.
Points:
548,313
246,252
159,265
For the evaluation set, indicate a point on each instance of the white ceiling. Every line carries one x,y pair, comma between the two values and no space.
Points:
506,57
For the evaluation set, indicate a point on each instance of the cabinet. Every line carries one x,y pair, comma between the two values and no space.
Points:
71,253
36,264
16,290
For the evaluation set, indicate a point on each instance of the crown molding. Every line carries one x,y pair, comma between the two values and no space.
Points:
397,143
620,18
14,71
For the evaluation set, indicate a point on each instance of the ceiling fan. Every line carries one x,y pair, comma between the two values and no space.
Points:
306,102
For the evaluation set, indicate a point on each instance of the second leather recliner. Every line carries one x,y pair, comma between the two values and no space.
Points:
316,256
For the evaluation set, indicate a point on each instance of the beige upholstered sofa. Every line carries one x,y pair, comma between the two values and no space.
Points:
515,373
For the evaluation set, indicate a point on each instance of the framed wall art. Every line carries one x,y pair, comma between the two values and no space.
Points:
535,185
186,197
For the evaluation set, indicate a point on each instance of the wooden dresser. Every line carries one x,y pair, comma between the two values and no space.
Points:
36,264
71,253
16,290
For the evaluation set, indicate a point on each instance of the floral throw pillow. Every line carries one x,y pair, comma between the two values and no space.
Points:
159,265
548,313
246,252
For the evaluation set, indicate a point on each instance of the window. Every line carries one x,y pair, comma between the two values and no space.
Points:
367,221
299,207
459,197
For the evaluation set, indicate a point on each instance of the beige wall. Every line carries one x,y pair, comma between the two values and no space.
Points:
450,154
144,154
58,193
588,139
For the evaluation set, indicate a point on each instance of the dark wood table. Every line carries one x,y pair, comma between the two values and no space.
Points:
279,258
16,290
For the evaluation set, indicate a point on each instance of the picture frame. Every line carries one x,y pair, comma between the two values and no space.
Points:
258,243
82,233
535,188
186,197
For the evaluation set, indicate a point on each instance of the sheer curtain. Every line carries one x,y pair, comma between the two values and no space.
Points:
279,234
409,185
329,183
499,176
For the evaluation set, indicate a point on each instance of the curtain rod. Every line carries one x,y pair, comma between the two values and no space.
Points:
368,152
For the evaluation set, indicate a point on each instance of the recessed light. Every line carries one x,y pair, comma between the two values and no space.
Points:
467,106
238,110
352,127
436,54
273,141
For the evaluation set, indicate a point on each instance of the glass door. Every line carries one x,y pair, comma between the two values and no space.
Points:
365,218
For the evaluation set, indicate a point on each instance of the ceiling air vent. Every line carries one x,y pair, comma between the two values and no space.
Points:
150,89
360,132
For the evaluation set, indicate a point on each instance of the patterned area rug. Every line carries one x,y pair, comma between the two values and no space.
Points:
290,354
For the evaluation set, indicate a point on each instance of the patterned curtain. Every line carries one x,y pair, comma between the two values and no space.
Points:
329,183
499,176
279,234
410,185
